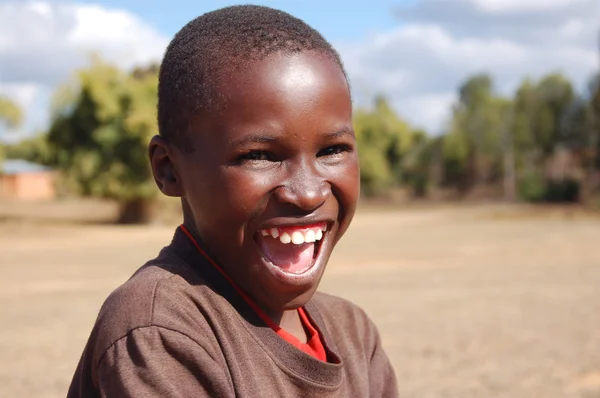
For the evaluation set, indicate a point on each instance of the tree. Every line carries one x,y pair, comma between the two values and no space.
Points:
525,107
472,146
548,115
584,132
383,140
509,169
10,113
36,149
11,116
595,118
540,111
99,134
420,163
555,96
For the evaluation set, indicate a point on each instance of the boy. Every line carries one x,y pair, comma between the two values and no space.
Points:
255,121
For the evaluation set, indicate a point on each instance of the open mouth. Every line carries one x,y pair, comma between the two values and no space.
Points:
292,249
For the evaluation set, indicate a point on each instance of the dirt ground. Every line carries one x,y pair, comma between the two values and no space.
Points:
486,301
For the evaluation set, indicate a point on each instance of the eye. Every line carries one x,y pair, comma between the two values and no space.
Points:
334,150
255,156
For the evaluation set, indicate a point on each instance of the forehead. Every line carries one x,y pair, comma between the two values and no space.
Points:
278,92
299,72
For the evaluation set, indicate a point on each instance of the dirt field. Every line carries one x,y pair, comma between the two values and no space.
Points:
473,302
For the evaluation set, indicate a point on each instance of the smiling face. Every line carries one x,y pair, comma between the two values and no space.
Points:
273,179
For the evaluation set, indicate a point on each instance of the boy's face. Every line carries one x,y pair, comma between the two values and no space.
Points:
277,162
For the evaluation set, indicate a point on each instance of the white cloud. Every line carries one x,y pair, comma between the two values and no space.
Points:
23,94
429,109
118,35
43,42
504,6
439,43
33,99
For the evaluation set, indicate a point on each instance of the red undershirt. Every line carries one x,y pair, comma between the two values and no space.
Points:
314,345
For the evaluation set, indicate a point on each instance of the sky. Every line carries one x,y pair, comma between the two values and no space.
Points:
415,52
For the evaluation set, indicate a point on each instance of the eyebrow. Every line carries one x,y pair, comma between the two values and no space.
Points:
256,138
344,131
264,138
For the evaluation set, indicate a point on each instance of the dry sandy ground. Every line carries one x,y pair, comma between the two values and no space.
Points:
478,302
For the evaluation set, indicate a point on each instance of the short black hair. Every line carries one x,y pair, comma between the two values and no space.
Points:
216,43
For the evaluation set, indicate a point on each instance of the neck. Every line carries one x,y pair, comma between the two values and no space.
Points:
291,323
188,218
287,320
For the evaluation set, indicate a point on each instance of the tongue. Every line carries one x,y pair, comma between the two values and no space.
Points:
290,258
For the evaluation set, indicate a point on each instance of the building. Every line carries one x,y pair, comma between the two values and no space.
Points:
24,180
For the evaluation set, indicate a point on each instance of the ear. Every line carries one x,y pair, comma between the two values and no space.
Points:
163,167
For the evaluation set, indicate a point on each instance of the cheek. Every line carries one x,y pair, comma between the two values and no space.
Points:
242,194
349,182
346,185
225,203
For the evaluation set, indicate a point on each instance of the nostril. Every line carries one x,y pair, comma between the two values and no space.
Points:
305,196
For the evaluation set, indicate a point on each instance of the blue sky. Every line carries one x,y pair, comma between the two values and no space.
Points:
337,20
415,52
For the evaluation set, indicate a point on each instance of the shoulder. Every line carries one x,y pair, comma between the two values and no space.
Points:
338,308
345,317
157,295
358,343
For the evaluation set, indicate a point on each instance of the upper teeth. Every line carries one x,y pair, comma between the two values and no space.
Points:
309,235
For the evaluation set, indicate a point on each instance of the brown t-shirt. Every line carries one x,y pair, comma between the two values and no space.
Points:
177,328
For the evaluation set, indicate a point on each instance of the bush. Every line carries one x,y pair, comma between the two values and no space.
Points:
562,191
532,188
419,183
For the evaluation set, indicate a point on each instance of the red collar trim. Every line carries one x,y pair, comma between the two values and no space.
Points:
314,345
250,302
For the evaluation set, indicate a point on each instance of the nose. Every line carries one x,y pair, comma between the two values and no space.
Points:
304,188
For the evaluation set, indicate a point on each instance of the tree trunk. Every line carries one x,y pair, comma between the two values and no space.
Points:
135,211
510,174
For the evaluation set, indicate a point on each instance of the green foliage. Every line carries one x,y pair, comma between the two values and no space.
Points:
419,162
532,188
36,149
375,173
101,126
549,115
383,140
577,124
473,145
541,110
593,138
10,113
11,116
490,137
